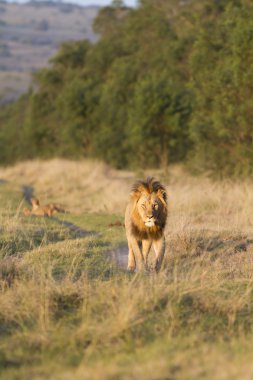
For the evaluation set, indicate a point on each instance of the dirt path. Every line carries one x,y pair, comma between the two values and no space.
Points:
117,255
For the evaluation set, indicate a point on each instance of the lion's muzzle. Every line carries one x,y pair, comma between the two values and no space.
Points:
150,222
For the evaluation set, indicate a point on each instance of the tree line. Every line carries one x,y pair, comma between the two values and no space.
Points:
167,82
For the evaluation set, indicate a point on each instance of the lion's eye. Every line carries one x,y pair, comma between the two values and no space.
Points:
143,206
156,206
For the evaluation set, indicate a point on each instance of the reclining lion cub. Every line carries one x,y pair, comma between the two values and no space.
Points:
145,220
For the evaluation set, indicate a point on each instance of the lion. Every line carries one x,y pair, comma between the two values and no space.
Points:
145,220
38,210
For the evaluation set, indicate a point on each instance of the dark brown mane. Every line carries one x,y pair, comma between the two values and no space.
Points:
151,185
154,233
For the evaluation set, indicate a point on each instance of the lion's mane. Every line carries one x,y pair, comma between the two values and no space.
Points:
138,228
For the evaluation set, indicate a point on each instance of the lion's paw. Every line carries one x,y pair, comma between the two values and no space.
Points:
131,268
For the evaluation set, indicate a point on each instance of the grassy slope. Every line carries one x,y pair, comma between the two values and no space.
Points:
67,312
26,47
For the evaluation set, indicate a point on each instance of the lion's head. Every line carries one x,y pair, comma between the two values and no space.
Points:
149,209
35,203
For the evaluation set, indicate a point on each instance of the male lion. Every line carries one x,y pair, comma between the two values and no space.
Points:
145,220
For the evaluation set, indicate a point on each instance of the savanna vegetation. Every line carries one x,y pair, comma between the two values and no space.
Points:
69,311
167,82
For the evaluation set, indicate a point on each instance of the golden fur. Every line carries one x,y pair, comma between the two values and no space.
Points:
145,221
38,210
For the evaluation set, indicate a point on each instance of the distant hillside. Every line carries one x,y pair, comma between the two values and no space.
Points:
31,33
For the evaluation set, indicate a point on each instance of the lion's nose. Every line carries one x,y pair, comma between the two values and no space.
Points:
150,216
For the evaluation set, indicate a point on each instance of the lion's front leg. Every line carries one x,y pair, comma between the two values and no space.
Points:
131,259
146,246
159,247
135,254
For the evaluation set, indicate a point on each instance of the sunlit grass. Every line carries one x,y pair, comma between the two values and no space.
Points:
68,312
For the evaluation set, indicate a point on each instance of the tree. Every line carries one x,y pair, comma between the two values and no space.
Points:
222,65
110,18
159,115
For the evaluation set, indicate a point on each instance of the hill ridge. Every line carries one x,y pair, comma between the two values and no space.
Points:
31,33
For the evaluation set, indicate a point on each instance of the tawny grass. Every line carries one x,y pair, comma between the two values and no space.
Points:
192,321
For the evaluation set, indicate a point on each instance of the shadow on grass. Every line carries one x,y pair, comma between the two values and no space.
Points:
33,232
74,230
223,255
28,193
117,255
204,243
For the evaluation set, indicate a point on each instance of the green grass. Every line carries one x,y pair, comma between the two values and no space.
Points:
68,312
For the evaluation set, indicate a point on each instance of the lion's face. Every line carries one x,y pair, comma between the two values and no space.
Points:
35,202
150,207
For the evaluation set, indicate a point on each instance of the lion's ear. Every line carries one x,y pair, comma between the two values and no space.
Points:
162,195
135,195
137,191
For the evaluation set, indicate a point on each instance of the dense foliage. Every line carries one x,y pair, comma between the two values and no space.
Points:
166,82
